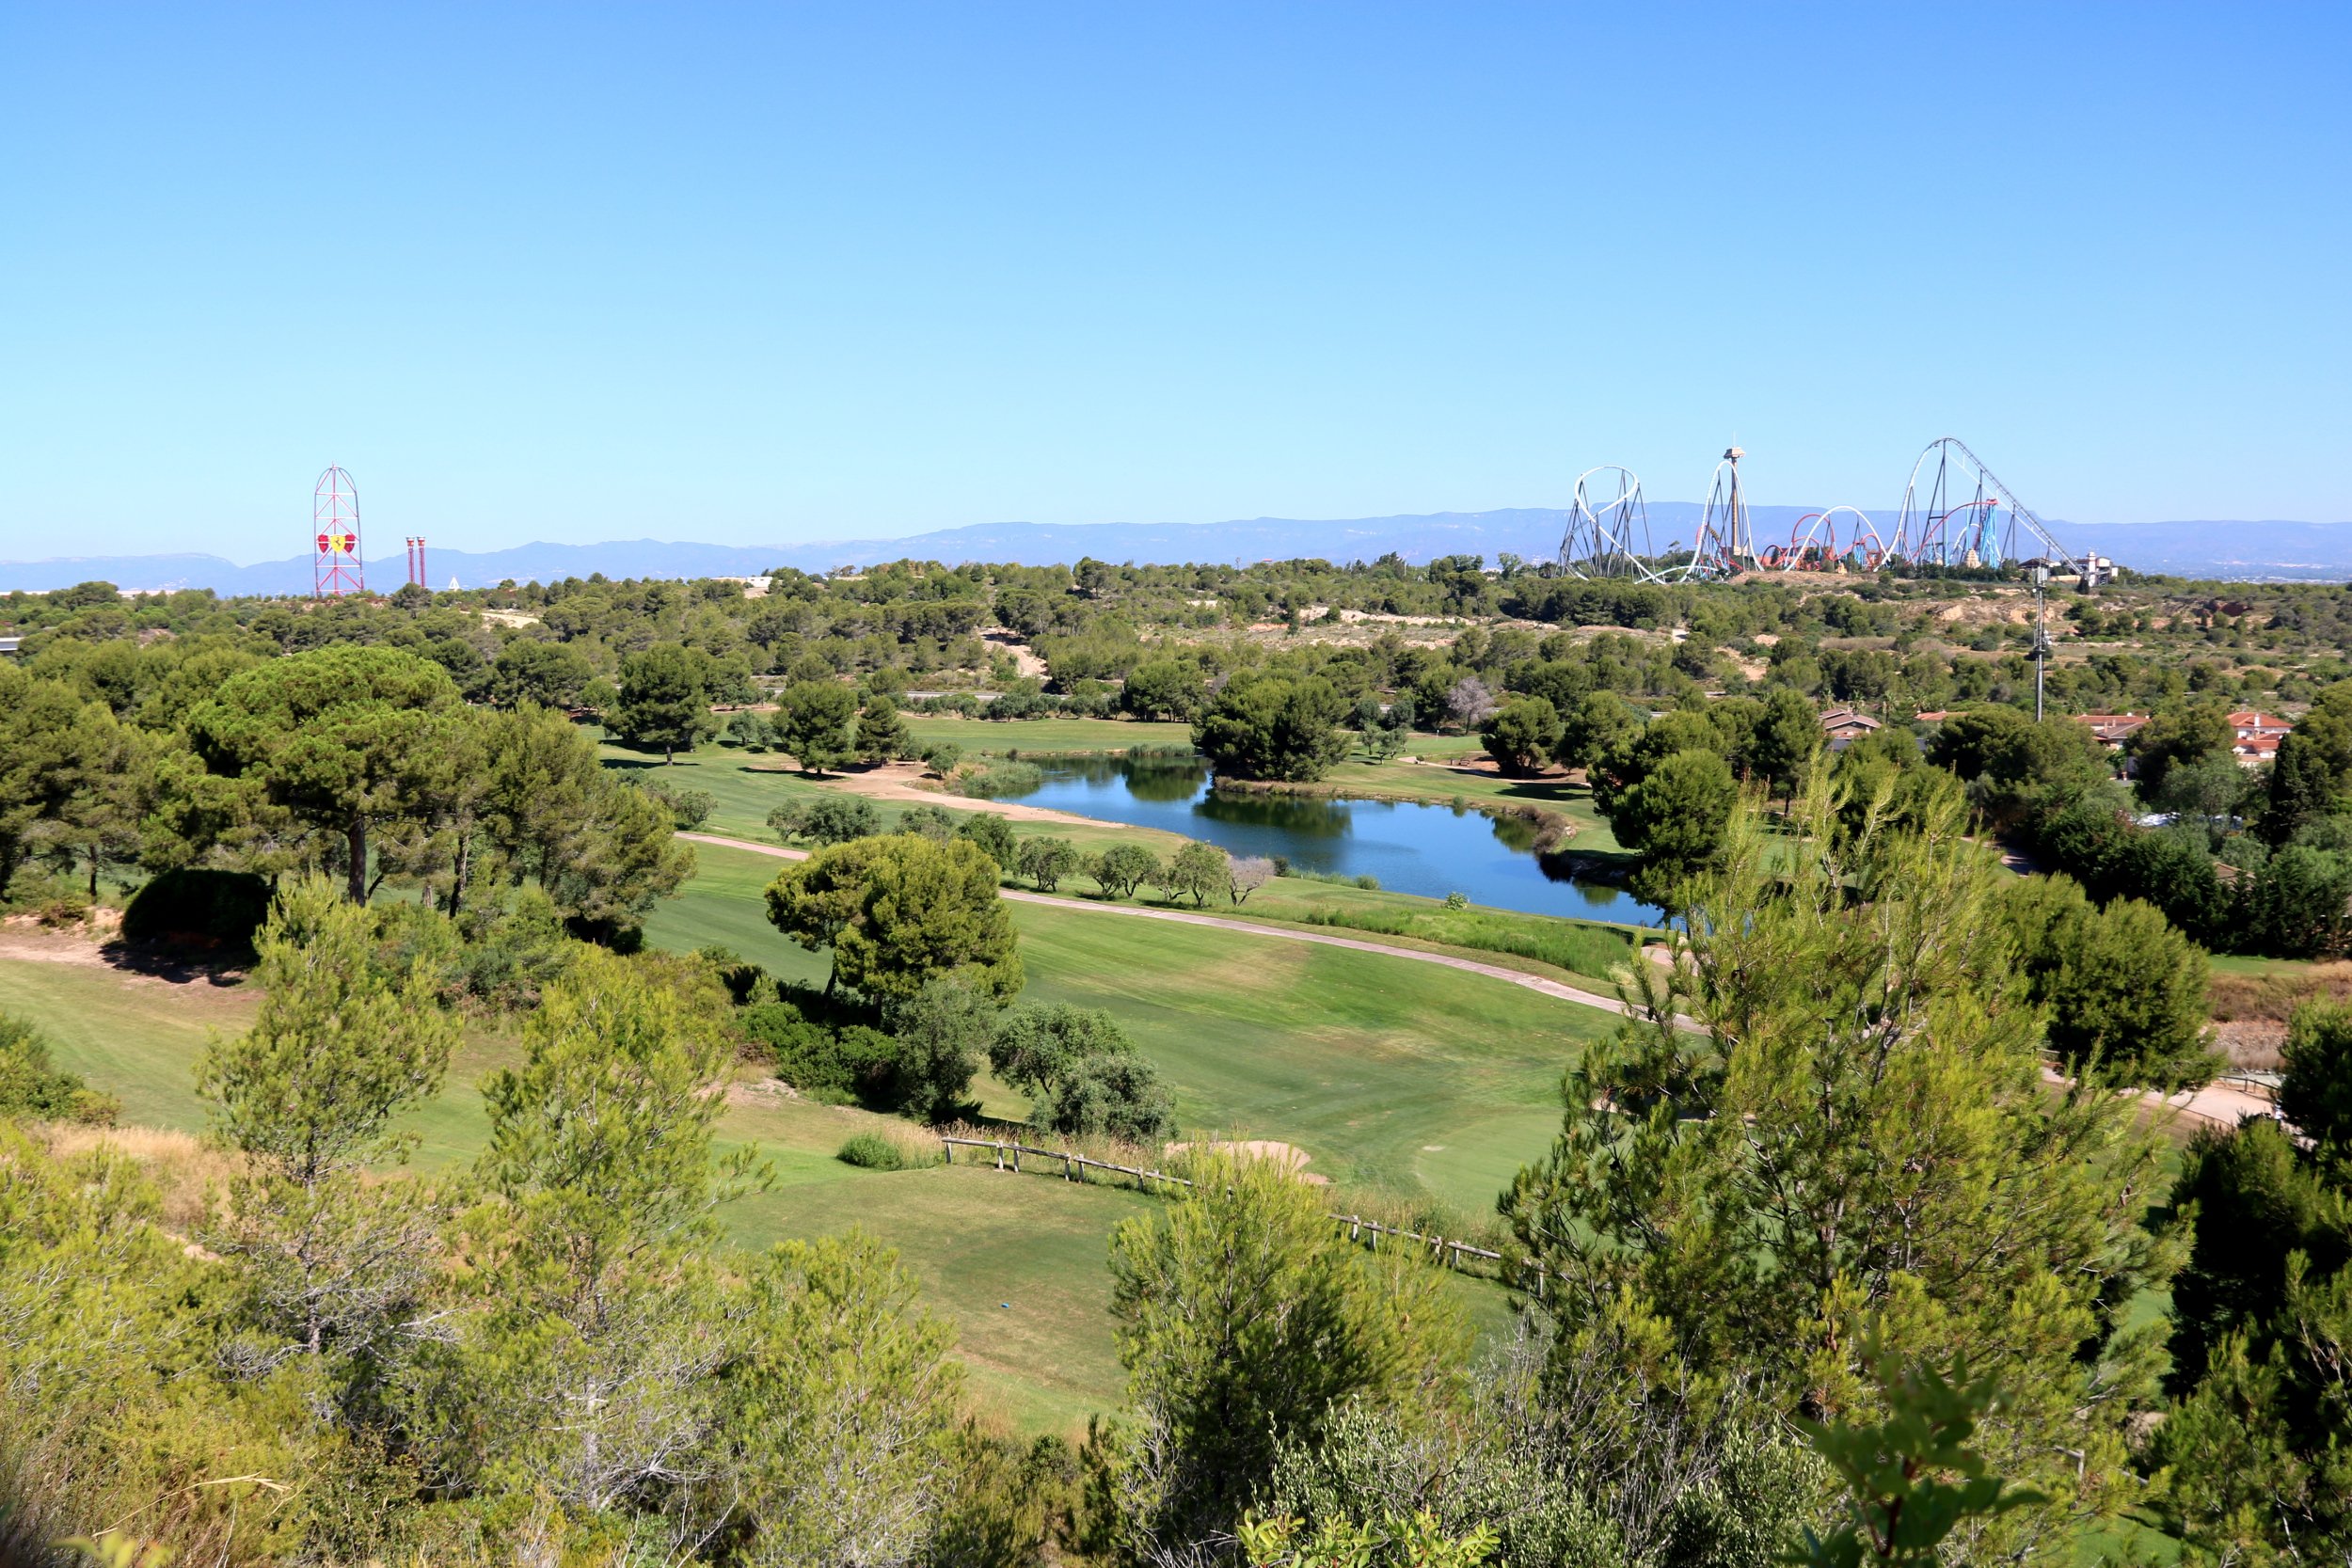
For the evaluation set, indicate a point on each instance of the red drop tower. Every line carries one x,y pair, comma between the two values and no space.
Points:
335,569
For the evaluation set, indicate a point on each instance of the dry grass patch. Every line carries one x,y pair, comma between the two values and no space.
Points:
2274,997
186,1169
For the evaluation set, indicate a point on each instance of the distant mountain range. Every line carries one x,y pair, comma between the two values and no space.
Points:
2235,550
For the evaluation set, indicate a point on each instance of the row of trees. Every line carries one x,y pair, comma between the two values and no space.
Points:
364,761
1196,871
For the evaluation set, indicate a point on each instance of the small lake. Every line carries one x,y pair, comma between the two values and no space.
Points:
1411,847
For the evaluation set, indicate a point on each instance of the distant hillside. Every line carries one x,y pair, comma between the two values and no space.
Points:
2240,550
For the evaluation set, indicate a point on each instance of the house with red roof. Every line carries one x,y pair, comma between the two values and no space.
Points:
2255,735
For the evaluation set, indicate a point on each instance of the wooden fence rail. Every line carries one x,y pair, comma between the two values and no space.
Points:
1444,1250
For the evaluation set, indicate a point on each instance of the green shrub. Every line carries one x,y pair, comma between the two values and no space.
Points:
871,1152
1591,950
827,819
745,981
1004,778
839,1066
31,1088
207,908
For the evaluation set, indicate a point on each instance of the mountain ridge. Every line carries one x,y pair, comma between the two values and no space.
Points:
2247,550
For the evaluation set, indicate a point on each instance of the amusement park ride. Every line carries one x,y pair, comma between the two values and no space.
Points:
1955,513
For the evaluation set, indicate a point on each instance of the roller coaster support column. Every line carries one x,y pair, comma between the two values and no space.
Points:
2040,637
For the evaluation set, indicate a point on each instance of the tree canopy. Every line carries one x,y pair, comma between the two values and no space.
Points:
345,740
1266,725
898,911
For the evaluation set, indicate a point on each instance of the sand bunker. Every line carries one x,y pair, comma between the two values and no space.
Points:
1289,1156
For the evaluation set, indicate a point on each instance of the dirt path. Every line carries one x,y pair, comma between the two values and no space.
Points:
1181,917
2215,1103
1025,658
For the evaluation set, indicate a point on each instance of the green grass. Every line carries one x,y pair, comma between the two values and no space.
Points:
1402,1075
2237,963
1019,1264
980,736
133,1036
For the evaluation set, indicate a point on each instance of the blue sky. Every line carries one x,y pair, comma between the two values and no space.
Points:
765,274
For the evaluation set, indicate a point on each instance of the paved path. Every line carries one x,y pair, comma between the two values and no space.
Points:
2215,1103
1252,927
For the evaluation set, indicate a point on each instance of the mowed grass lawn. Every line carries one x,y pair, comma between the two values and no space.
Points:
1402,1075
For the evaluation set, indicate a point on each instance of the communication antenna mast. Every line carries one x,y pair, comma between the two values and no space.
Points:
336,569
1726,543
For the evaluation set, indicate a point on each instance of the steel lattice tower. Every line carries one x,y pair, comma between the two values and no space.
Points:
336,569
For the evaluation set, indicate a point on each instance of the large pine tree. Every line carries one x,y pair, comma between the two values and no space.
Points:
1827,1122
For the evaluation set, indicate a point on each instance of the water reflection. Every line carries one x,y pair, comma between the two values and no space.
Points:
1410,846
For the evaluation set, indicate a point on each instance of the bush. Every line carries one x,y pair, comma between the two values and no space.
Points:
935,823
992,833
688,809
827,819
743,979
1001,779
871,1152
836,1065
1114,1094
943,1034
512,950
31,1088
70,908
199,907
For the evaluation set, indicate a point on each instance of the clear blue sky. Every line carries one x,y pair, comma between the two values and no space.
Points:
765,274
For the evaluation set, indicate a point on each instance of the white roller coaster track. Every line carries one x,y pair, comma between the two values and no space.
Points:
1907,544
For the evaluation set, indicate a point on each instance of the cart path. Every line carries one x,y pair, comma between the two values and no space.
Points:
1250,927
2216,1104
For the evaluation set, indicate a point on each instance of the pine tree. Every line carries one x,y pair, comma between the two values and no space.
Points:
2261,1444
309,1096
881,733
587,1367
1246,1321
1849,1135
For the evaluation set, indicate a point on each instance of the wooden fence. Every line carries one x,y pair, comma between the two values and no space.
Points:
1451,1253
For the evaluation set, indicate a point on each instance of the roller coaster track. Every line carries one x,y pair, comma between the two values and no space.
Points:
1912,528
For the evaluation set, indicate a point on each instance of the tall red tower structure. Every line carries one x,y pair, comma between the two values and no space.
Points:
335,569
416,562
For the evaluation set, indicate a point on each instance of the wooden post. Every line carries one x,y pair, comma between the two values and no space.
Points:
1016,1158
1001,1156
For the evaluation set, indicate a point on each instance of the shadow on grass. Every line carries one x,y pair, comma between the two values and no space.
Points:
181,963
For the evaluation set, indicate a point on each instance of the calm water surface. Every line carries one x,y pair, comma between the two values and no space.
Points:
1428,849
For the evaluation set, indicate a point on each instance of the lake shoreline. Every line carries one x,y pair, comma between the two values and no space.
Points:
1552,829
